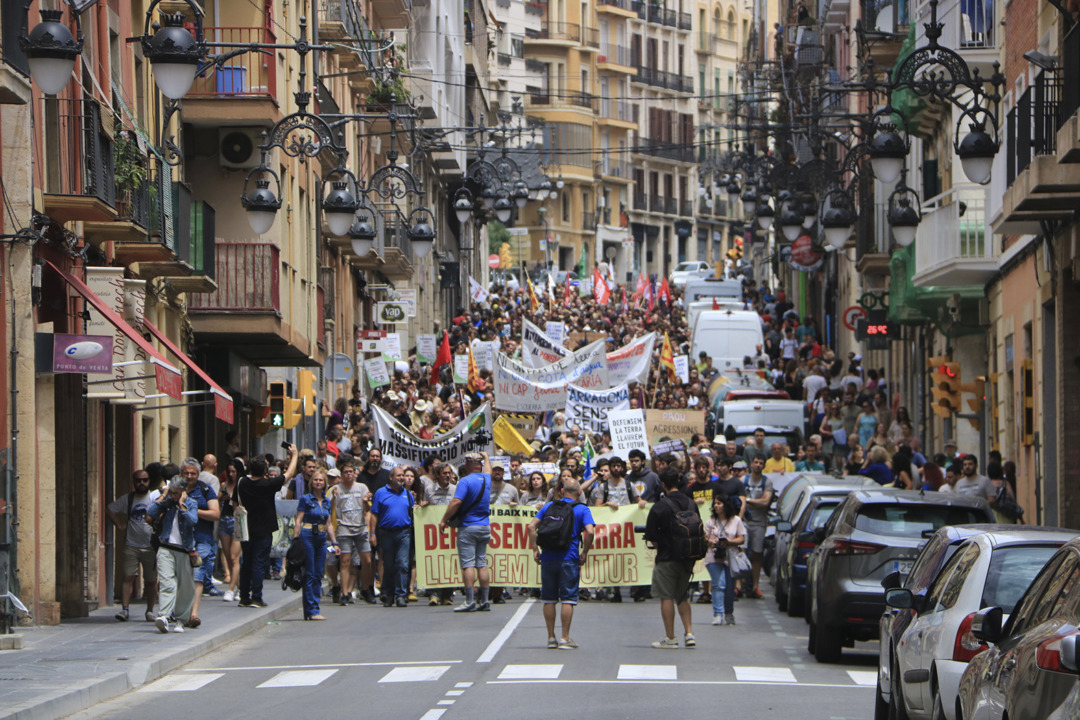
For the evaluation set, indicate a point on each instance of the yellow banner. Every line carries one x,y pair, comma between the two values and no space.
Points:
618,556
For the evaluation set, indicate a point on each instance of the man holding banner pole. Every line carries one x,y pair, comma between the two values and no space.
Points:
471,505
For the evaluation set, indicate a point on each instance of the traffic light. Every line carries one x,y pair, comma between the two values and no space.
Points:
260,421
293,412
277,404
945,385
305,390
978,389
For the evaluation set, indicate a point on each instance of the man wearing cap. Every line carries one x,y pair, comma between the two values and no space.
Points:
471,504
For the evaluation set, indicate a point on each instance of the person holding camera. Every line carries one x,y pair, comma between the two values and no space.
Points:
673,569
178,515
725,533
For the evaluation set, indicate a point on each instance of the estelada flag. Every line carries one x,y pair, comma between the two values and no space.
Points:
600,289
474,373
532,294
664,293
441,358
667,359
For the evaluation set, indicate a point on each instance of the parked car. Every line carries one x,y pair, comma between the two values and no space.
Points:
506,277
690,269
894,621
990,569
1029,669
873,533
799,541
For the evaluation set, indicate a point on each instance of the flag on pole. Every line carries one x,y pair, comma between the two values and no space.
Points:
477,291
664,293
667,359
625,301
441,358
532,294
551,287
648,293
581,264
588,453
600,289
474,374
508,438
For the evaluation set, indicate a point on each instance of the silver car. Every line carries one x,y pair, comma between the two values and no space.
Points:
874,533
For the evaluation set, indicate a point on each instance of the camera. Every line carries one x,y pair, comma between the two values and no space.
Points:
285,445
483,437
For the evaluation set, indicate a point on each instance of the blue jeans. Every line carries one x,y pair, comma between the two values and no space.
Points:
559,582
393,547
256,555
723,589
314,561
204,574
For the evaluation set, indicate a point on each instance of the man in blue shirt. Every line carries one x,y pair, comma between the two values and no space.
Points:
560,570
209,511
390,529
471,503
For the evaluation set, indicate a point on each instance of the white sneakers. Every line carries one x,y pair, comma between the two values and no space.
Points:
228,596
718,619
162,624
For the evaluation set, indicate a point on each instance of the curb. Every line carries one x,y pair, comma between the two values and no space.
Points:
111,686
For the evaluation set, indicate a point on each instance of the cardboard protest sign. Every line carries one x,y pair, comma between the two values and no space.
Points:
674,424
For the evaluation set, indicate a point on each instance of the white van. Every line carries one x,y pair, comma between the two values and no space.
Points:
697,307
698,288
760,413
727,336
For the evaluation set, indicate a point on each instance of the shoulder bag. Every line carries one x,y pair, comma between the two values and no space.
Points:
240,523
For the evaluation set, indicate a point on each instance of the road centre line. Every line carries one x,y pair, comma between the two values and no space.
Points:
331,665
508,629
674,682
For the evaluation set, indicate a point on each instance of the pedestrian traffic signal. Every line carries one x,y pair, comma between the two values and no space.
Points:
277,404
305,390
293,412
945,386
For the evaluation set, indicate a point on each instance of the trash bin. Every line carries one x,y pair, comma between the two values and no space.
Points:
231,80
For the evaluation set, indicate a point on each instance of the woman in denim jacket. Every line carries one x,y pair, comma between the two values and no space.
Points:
176,539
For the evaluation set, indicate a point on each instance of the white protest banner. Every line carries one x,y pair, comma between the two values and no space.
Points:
401,447
391,346
477,291
484,352
375,368
590,409
628,432
547,469
555,330
427,347
682,368
537,349
522,389
461,369
631,362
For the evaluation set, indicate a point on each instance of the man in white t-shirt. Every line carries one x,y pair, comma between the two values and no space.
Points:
128,512
788,345
813,384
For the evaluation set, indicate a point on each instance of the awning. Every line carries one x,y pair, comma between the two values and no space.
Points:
169,380
223,404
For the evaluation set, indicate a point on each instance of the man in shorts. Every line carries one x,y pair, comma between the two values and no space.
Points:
671,575
560,570
349,498
759,495
128,512
471,503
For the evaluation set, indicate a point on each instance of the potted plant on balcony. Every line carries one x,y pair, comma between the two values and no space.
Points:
129,169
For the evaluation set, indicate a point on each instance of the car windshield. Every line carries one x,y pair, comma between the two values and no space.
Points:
821,515
911,520
683,267
1011,571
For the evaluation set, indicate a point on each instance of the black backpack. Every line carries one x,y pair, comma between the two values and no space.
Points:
555,531
687,533
293,577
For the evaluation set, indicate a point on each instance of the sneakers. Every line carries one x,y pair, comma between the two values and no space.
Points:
466,607
433,601
567,644
755,594
666,644
689,641
553,643
162,624
730,620
401,602
335,593
257,604
368,596
178,628
412,597
212,592
446,601
484,607
122,616
149,616
718,619
228,596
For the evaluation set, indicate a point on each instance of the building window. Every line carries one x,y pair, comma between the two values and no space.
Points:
517,46
566,207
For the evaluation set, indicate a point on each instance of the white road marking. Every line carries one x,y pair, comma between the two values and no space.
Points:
866,678
432,714
530,672
506,632
427,673
329,665
181,683
463,685
846,686
763,674
454,693
297,678
446,702
647,672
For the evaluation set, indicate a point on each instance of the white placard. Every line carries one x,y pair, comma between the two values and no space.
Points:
555,330
391,346
461,369
377,376
628,432
369,346
590,410
427,347
409,297
682,368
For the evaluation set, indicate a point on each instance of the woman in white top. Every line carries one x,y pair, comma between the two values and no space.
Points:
725,532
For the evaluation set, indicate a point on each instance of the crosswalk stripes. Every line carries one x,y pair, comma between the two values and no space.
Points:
763,674
866,678
415,673
181,683
296,678
531,672
647,672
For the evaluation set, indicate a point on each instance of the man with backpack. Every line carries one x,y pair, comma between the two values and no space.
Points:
561,535
128,512
674,526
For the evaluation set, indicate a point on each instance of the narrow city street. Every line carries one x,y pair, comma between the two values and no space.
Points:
428,663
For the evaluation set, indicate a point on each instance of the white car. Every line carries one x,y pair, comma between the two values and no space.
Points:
690,269
990,569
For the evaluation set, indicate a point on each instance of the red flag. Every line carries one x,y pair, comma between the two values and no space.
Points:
441,358
639,290
601,291
566,291
625,302
715,305
664,293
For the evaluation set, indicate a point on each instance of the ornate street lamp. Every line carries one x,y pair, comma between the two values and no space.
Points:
362,233
175,55
51,51
421,233
903,214
262,203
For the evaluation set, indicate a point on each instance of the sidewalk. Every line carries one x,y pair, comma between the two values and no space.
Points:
71,667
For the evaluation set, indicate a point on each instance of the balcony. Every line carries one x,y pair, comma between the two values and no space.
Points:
662,79
395,248
656,204
192,269
619,8
707,43
563,33
873,240
640,201
571,99
536,66
886,25
588,222
671,206
244,90
654,13
969,29
77,162
1039,187
686,208
504,59
668,150
392,14
616,58
609,168
954,245
622,113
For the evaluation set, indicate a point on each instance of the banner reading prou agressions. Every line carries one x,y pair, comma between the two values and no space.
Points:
618,555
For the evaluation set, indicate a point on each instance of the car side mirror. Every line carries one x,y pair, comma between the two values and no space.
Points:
899,598
892,580
1070,653
784,526
986,625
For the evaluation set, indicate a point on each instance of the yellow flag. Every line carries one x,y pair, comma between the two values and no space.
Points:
508,438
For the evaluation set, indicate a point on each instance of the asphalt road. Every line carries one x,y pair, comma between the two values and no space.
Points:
422,663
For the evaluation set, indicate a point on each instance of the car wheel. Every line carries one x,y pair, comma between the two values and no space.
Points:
781,600
939,709
795,605
830,641
811,641
881,705
897,708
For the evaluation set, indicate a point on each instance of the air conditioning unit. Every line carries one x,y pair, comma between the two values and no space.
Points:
238,148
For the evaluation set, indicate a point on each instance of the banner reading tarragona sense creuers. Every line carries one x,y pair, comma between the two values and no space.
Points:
618,556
